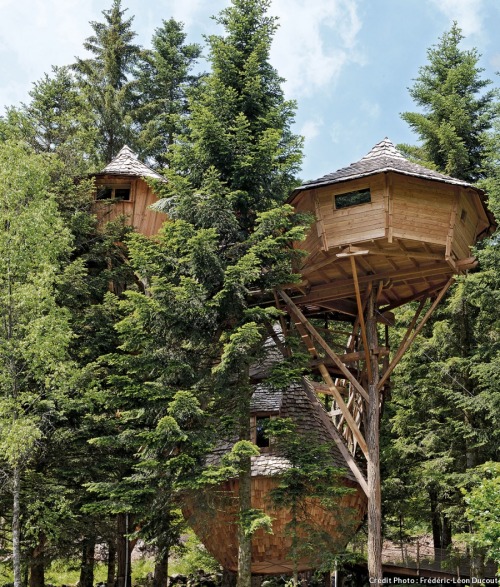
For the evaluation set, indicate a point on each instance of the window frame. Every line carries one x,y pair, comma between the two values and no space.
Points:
366,190
114,187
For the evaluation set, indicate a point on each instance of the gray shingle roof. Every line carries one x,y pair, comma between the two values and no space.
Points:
383,157
266,399
127,163
295,404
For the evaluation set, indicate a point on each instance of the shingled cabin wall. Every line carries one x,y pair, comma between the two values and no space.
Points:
213,513
216,527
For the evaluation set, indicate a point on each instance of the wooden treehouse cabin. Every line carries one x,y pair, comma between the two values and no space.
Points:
410,229
214,517
387,231
122,192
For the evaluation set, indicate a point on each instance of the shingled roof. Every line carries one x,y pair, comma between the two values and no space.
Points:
383,157
295,403
127,163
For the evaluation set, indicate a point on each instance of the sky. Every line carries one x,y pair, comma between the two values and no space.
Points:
347,63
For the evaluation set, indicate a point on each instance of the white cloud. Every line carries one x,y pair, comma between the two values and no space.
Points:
310,129
190,11
314,42
468,14
37,34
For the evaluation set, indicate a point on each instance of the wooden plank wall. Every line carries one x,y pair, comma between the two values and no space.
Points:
465,231
421,209
313,242
136,210
357,223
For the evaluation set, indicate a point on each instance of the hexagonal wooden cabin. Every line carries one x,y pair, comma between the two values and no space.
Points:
412,227
214,522
121,191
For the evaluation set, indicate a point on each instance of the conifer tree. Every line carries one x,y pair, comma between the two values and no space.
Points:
228,233
34,329
57,120
106,78
457,109
163,79
241,155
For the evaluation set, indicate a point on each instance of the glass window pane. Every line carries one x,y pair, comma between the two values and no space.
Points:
352,199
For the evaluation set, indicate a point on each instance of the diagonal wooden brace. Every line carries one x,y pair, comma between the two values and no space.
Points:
334,433
334,390
321,341
409,339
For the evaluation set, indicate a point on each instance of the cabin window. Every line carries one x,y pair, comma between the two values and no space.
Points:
352,199
116,192
259,432
261,438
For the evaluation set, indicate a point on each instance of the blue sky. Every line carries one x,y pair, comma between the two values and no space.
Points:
348,63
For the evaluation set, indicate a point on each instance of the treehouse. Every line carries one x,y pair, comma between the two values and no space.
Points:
386,231
122,192
410,229
213,516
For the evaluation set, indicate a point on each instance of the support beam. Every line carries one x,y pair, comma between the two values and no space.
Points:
335,435
345,287
361,318
315,334
404,346
333,389
345,410
373,442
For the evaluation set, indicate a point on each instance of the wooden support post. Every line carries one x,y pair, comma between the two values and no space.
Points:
335,435
361,318
373,443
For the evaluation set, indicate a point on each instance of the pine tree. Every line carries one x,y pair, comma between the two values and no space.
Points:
457,111
163,80
240,159
34,330
240,122
106,79
57,120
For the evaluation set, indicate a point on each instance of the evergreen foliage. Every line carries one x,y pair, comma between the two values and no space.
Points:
57,120
163,80
106,79
34,330
457,109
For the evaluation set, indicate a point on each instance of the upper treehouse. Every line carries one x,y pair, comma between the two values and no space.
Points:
408,227
121,191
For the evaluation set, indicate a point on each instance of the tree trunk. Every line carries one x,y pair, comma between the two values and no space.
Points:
373,443
123,574
88,561
37,566
160,577
436,523
16,525
245,503
111,563
446,537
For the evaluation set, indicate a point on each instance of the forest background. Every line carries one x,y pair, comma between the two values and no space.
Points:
109,397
